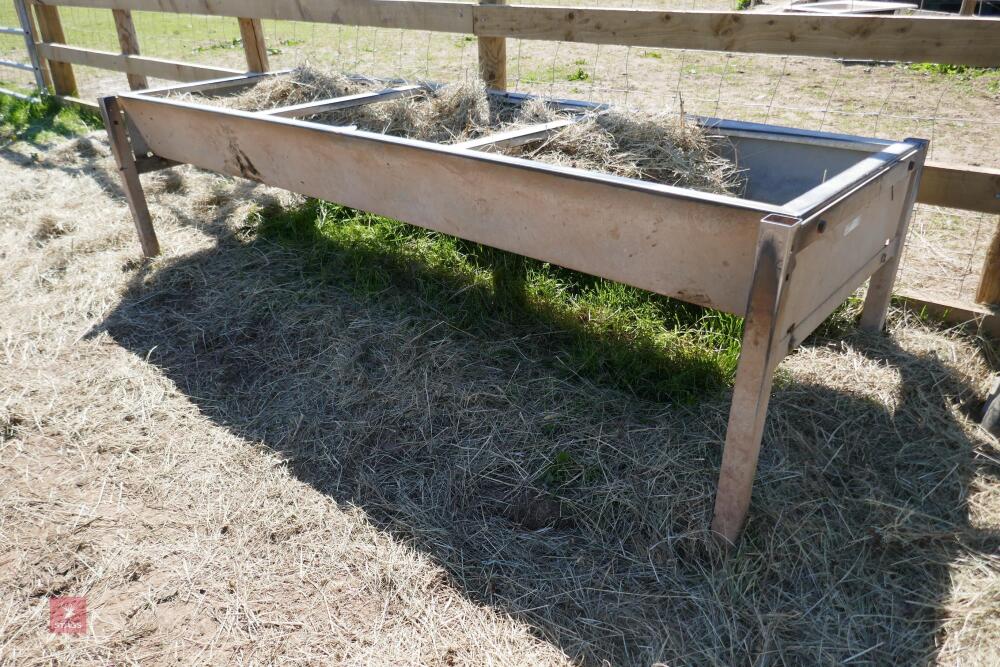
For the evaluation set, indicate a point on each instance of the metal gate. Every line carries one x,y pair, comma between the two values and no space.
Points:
33,66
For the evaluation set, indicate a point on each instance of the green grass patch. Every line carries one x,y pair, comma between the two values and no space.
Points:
960,71
552,74
649,345
42,122
988,76
234,43
565,471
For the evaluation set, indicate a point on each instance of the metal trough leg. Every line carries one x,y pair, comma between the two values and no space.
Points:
122,150
882,281
759,356
879,295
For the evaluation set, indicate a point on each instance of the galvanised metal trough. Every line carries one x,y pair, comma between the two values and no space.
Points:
821,214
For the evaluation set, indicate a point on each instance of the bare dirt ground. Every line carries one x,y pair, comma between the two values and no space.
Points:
237,463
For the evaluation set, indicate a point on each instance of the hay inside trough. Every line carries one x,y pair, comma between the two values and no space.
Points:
299,86
661,148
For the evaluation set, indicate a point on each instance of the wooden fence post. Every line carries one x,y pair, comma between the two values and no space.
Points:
493,57
129,42
988,292
50,30
252,33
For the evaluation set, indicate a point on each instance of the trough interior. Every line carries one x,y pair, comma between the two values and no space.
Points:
774,169
777,170
505,115
242,96
453,128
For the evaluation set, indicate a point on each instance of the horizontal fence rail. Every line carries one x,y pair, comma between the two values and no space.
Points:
132,64
960,186
944,40
953,41
405,14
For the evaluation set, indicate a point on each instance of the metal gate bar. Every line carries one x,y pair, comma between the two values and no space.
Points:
33,64
16,65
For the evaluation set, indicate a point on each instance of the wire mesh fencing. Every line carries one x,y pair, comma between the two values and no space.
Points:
954,107
13,52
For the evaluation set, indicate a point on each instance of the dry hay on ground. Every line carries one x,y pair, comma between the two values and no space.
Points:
662,148
235,462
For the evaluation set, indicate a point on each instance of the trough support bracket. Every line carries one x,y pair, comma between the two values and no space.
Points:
147,164
114,122
760,354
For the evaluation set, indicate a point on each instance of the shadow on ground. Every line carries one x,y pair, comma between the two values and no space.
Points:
578,509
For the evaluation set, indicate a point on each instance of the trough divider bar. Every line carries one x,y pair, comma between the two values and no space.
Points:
207,85
344,102
519,136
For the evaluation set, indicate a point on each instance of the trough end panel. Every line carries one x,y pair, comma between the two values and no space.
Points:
841,246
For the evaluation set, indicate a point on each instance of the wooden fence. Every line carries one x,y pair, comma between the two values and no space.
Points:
946,40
